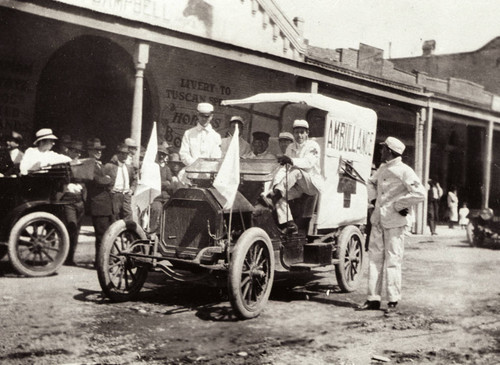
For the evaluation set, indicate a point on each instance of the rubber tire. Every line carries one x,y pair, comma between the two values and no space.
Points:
344,281
15,232
470,234
245,242
103,267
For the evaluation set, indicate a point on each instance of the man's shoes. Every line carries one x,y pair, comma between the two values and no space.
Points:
290,228
370,305
391,308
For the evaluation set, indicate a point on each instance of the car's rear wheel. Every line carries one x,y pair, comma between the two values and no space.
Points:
251,273
121,277
350,255
38,244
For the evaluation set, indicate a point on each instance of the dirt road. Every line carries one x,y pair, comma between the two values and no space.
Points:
450,313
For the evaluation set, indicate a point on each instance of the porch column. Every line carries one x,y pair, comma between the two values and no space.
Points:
488,154
427,158
141,57
421,209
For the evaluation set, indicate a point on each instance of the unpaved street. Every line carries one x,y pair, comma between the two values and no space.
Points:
450,313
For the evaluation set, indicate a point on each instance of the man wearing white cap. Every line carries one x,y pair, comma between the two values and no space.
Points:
202,140
284,140
244,145
41,155
396,188
304,176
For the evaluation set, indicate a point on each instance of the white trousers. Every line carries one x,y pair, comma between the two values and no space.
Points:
386,256
297,182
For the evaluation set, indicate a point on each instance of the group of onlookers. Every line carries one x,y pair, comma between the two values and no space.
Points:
453,214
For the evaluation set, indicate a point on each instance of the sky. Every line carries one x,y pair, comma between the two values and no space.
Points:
399,27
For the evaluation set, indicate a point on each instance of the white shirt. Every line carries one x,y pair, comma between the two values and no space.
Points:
33,159
200,142
122,178
396,187
16,155
306,157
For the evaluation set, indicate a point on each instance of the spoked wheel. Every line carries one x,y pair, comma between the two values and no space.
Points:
350,255
38,244
251,273
120,277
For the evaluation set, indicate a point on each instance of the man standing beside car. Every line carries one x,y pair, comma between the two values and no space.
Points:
396,188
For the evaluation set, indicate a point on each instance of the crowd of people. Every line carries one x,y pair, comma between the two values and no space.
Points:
393,189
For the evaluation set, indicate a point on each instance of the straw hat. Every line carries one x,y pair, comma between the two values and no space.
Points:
44,133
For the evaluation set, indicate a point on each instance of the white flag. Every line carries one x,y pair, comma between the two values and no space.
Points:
228,177
149,186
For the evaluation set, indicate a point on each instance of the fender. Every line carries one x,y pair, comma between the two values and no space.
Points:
25,208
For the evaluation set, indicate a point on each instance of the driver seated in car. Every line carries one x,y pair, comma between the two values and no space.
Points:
300,174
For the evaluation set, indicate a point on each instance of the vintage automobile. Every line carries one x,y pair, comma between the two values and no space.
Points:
198,239
32,231
32,228
483,229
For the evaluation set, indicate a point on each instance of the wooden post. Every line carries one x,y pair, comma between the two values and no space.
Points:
488,150
141,57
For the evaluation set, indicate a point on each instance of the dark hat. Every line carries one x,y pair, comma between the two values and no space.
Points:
95,144
122,148
174,158
76,145
44,133
16,137
65,140
261,136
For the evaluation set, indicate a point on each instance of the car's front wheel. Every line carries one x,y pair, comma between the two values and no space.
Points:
120,276
251,273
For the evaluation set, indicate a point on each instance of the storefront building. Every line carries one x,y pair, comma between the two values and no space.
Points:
109,68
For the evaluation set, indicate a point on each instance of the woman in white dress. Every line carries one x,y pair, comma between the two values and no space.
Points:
452,206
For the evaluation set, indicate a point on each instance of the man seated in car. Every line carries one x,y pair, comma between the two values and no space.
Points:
302,160
41,155
260,143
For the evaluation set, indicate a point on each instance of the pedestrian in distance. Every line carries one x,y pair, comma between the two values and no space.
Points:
434,194
452,200
463,214
396,189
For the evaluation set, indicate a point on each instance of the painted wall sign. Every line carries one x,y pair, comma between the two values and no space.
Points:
228,21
